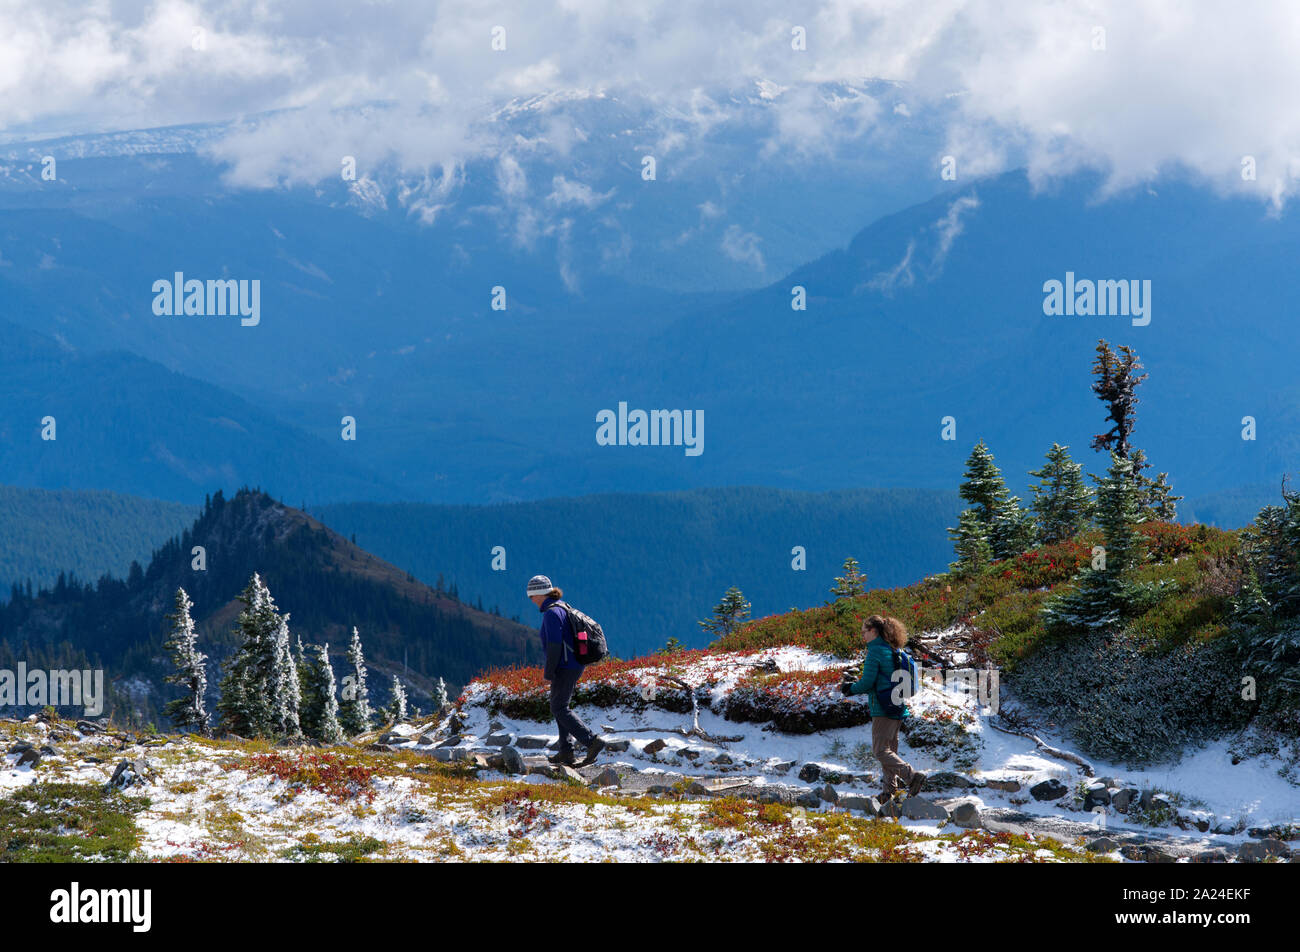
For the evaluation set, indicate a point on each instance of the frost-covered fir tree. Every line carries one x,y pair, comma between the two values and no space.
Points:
1104,592
187,712
397,709
1063,503
286,689
970,539
728,615
440,695
354,711
248,706
983,486
852,583
1012,530
320,706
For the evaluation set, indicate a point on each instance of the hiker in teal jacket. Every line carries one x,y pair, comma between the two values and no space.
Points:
884,635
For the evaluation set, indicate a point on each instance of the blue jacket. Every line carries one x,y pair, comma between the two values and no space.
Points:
555,631
877,675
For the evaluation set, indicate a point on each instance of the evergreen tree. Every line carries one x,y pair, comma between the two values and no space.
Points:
188,712
983,487
1104,593
852,583
320,706
440,695
1063,503
971,542
286,689
355,711
397,710
1012,531
247,706
728,615
1116,386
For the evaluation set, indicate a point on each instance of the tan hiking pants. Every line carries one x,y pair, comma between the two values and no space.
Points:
884,744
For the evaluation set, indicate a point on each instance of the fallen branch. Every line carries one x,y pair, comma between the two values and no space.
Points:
1047,749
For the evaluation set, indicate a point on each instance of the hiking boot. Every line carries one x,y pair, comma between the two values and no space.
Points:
916,783
565,757
593,751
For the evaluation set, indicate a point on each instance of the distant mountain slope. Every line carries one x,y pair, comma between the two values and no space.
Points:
650,565
126,424
44,532
327,584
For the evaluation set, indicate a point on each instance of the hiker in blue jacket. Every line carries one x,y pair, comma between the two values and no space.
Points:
885,635
563,671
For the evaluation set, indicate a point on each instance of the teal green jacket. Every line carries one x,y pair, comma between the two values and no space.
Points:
877,671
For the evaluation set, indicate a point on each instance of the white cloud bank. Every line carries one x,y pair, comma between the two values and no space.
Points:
1131,87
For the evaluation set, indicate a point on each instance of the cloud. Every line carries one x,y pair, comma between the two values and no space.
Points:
564,192
1134,88
949,227
742,246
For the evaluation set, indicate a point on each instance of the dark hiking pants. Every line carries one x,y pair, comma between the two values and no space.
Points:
571,726
884,743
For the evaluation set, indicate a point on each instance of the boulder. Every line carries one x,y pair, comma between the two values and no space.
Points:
810,773
426,739
392,737
512,760
1007,786
654,746
532,741
129,773
29,756
1257,851
451,741
723,759
496,726
1102,844
608,778
618,746
1124,798
697,788
829,794
855,801
1210,856
690,753
1051,789
808,799
499,740
1096,794
966,815
947,780
565,772
917,808
19,747
781,766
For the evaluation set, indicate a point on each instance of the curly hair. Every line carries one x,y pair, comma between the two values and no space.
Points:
889,628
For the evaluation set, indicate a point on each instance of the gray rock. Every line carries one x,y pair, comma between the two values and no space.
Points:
829,794
451,741
442,754
29,756
1210,856
655,746
512,760
618,746
855,801
425,740
1102,844
1007,786
966,815
1256,851
782,766
690,753
1123,799
531,741
1096,795
608,778
698,789
917,808
392,737
810,773
947,780
1051,789
808,799
565,772
723,759
19,747
997,826
499,740
495,726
